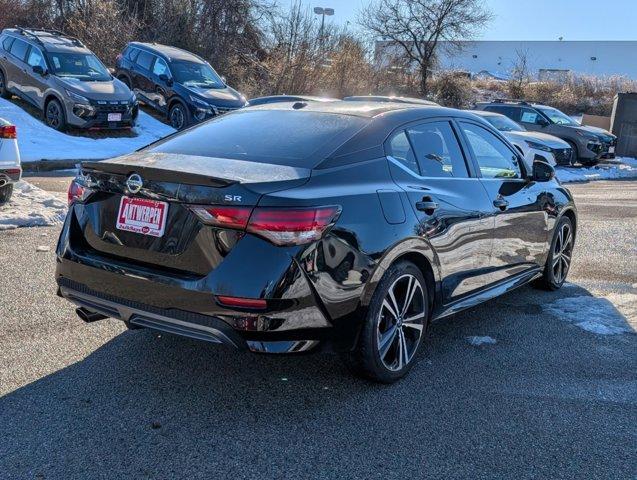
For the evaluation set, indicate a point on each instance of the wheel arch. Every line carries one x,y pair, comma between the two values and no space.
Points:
416,251
572,216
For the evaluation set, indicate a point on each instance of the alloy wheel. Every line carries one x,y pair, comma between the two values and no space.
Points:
562,252
401,322
177,118
53,114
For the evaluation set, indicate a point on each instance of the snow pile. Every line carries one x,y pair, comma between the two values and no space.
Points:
595,315
31,206
621,167
477,341
39,142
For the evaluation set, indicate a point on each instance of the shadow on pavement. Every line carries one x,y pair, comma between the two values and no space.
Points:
547,400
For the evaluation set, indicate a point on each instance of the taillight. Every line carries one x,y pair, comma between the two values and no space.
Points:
8,132
77,193
292,226
224,216
281,226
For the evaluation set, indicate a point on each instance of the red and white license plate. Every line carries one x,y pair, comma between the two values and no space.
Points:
141,215
114,117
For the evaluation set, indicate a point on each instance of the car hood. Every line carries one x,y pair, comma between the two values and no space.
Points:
108,90
594,130
543,138
222,97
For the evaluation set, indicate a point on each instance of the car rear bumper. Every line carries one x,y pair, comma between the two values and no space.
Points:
10,174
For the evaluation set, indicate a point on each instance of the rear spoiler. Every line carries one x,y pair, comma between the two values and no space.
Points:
195,170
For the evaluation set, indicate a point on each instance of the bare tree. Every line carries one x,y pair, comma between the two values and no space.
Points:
415,27
520,75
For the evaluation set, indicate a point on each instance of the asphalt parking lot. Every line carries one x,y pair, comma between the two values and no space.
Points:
553,397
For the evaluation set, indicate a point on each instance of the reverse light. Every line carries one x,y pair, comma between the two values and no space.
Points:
281,226
8,132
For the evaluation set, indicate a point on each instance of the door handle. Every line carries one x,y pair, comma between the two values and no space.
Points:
501,203
427,205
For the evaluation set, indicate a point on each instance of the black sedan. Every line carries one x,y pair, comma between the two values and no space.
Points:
285,227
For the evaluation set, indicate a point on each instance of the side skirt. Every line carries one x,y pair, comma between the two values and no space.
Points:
489,293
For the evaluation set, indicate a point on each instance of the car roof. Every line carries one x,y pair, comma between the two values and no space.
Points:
486,113
283,97
168,52
385,98
356,108
514,103
51,41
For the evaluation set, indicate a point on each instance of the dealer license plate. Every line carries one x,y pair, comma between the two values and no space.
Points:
611,149
114,117
141,215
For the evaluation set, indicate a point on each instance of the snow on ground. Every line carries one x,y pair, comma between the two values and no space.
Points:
39,142
597,315
621,167
31,206
484,340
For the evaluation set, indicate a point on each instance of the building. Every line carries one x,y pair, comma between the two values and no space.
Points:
545,59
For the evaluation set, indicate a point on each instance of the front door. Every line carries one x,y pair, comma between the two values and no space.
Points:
37,85
521,223
450,203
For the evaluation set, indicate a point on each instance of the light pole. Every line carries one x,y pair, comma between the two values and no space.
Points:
323,11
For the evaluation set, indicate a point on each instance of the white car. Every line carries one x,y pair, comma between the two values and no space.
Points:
10,169
555,150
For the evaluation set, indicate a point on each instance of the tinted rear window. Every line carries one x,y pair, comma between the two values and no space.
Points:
293,138
19,49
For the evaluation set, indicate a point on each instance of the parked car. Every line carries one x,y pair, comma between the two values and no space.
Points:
356,231
10,169
554,150
61,77
177,83
288,98
382,98
588,144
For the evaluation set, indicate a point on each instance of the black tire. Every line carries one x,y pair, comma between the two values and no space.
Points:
54,115
589,163
179,116
385,335
4,93
5,193
558,262
574,153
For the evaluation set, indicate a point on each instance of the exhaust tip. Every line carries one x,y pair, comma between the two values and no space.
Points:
88,316
3,182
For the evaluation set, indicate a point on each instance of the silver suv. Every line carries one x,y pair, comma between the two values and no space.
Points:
64,79
588,144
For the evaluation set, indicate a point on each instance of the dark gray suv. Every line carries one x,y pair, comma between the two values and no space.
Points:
588,144
64,79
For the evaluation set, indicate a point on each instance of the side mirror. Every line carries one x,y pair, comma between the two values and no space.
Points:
166,79
39,70
542,171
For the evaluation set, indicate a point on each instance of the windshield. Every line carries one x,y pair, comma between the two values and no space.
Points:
81,66
504,124
557,117
192,74
307,135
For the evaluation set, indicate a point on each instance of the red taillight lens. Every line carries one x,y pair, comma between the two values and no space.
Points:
75,193
281,226
8,132
292,226
238,302
224,216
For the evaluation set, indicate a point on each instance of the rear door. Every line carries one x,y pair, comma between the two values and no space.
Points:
141,71
16,66
451,205
518,203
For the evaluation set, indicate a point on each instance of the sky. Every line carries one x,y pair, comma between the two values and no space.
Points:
532,19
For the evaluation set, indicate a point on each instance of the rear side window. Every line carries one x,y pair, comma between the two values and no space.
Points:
400,149
131,53
145,59
281,137
512,112
19,49
437,150
6,43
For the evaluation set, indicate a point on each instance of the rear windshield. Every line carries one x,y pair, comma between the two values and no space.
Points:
282,137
